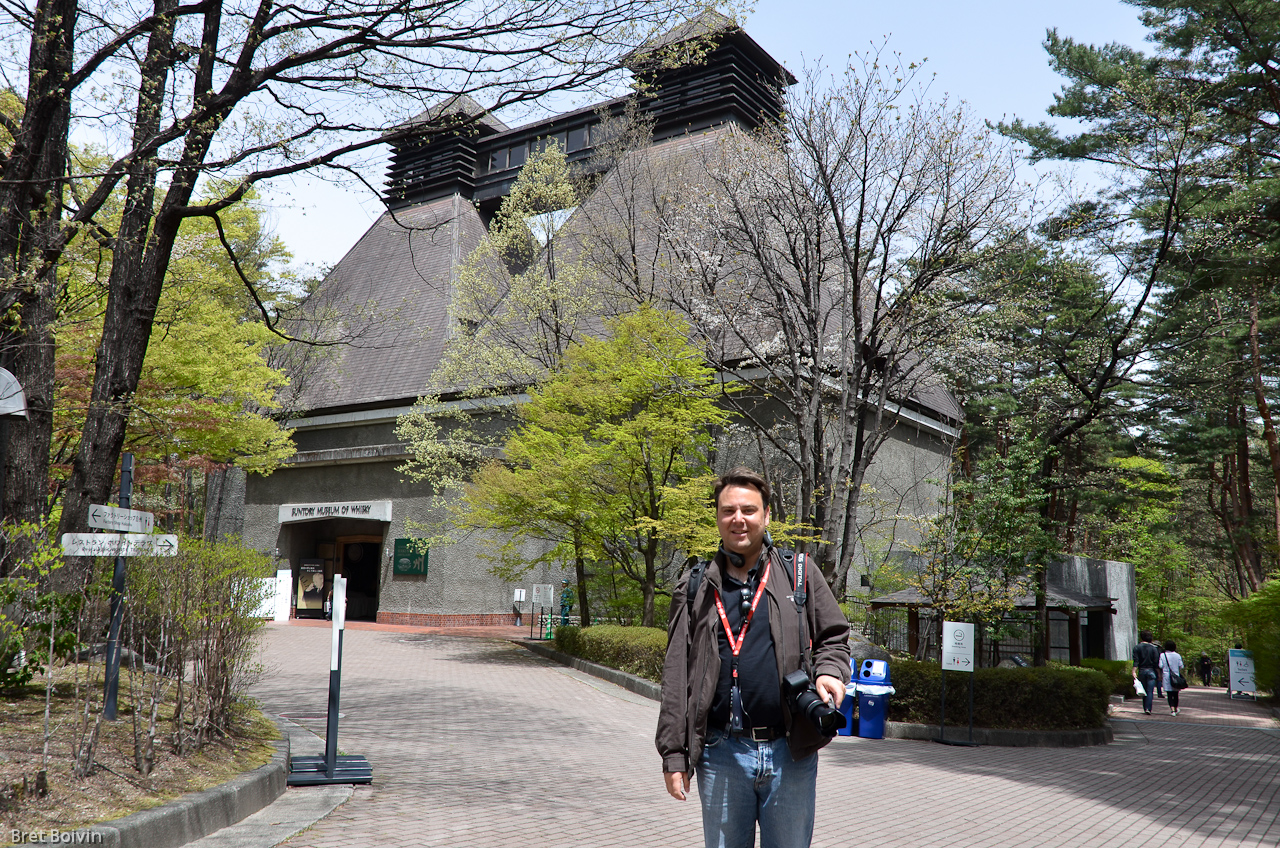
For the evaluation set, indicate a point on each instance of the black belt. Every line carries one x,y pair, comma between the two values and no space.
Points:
760,734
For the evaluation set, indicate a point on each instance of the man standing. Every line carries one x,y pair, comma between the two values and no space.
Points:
1146,658
566,603
724,715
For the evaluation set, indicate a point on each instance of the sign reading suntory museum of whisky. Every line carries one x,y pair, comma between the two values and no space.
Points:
368,510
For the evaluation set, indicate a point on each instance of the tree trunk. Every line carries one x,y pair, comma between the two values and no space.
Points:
580,572
31,198
139,262
1264,409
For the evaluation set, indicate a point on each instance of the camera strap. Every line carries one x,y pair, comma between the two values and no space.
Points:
735,645
800,596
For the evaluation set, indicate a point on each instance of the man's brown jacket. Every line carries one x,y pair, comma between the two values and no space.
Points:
692,666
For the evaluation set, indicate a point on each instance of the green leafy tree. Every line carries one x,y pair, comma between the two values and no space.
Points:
1176,599
207,390
1187,133
609,462
984,550
519,301
1259,618
188,96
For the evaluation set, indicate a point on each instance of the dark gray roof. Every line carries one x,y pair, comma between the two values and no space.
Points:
391,291
462,106
1057,598
402,270
709,22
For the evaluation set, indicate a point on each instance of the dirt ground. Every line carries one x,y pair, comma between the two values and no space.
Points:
115,787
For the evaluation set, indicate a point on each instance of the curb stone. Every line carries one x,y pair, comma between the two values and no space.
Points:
1004,738
893,729
197,814
630,682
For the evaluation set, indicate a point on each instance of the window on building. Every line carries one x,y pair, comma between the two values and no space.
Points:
519,154
578,138
498,160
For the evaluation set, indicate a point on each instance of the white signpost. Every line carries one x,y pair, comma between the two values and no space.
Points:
118,544
957,646
957,655
121,520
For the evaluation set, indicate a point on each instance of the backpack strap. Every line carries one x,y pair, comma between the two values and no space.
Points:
695,581
799,579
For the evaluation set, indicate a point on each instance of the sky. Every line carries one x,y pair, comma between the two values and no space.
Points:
987,53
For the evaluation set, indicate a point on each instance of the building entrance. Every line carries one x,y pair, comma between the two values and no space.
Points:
359,559
319,549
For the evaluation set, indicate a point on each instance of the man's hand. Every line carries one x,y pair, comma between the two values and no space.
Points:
830,689
677,784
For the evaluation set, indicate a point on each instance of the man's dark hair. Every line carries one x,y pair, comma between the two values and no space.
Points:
1145,636
1170,645
742,476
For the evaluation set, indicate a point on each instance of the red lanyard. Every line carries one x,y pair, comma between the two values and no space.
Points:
736,644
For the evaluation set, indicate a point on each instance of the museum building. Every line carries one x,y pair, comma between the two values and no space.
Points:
340,505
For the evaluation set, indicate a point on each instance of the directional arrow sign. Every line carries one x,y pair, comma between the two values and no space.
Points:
122,544
957,646
121,520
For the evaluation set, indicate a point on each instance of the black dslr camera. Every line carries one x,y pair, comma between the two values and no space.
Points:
803,698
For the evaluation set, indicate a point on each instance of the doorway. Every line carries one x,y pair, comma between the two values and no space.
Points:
359,559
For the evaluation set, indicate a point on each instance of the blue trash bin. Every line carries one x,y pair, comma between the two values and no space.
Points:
846,707
873,698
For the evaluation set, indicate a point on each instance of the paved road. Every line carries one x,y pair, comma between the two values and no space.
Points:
476,743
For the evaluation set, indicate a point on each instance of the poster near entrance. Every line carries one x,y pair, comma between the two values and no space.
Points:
311,586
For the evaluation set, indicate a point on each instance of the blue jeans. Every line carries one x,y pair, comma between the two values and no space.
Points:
741,781
1148,678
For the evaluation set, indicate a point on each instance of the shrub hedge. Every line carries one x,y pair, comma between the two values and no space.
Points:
635,650
1052,698
1063,698
1119,672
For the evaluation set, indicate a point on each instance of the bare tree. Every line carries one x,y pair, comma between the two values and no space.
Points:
228,93
820,258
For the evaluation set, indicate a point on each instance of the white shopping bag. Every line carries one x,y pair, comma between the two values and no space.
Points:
1138,688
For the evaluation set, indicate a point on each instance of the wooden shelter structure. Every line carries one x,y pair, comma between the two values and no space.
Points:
1082,640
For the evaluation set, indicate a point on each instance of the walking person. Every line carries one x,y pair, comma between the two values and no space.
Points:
1206,668
749,629
1146,660
1171,670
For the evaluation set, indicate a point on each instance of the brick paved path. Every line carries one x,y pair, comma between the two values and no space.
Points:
475,743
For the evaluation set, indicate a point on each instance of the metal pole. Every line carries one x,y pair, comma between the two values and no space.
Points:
971,675
335,675
111,685
942,726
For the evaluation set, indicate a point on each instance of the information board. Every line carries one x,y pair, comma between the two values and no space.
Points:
957,646
410,557
544,595
121,520
1241,671
119,544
